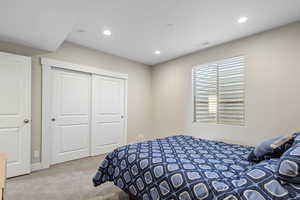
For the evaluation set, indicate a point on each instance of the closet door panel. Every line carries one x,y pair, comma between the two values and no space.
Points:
111,133
107,113
71,115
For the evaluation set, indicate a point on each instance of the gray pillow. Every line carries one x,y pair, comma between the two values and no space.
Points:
297,137
272,148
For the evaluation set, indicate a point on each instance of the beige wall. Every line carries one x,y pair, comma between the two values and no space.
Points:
272,88
159,98
139,85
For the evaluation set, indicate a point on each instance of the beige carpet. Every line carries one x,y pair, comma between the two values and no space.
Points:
67,181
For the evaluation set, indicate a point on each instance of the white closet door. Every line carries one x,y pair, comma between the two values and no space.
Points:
107,114
15,87
70,115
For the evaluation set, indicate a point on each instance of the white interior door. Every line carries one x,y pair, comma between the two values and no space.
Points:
107,114
70,115
15,91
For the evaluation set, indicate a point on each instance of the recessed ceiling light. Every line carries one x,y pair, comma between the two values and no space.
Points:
107,32
157,52
242,20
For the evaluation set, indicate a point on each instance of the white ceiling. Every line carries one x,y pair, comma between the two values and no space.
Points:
139,27
43,24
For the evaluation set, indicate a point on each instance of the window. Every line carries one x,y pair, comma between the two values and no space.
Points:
218,90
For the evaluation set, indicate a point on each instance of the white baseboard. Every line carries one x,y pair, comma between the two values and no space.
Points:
36,166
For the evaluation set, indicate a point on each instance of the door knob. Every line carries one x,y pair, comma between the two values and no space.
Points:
53,119
26,121
122,116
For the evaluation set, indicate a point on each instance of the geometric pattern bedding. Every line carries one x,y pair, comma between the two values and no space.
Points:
187,168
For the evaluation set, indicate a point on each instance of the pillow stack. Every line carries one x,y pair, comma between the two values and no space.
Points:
287,148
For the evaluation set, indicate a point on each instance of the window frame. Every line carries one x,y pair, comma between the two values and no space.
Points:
217,121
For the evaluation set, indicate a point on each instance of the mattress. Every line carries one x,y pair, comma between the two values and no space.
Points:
186,168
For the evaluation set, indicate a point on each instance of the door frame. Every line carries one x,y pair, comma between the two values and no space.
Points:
47,66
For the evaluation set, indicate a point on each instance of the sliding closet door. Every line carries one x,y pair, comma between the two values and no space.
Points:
70,115
107,113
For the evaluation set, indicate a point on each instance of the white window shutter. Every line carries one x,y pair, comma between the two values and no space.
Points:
205,93
231,91
219,92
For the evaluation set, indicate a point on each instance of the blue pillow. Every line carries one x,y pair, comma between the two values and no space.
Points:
272,148
289,165
296,137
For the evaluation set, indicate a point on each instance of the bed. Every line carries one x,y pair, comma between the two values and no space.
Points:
186,168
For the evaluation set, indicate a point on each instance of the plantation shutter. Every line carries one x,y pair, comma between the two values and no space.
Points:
205,93
231,91
219,92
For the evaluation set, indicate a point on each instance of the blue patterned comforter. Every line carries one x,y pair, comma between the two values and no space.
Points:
184,168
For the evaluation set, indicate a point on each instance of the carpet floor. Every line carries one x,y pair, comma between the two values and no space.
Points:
67,181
